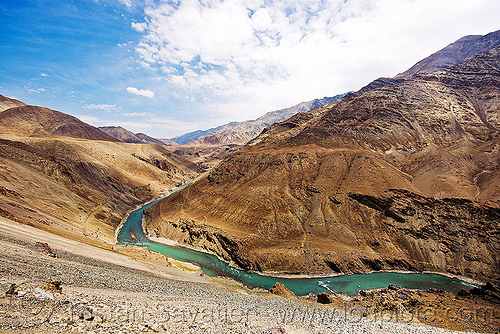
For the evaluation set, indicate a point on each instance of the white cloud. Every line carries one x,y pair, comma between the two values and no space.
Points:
104,107
140,27
37,90
253,56
44,74
135,114
142,92
127,3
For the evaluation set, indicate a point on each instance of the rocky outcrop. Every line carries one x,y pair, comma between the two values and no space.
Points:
324,298
203,237
404,176
281,290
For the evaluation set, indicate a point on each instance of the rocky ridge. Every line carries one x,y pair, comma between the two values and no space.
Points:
39,121
127,136
453,54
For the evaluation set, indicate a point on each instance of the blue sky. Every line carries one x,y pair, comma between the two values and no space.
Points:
170,67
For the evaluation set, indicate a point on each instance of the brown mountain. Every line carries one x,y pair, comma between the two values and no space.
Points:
455,53
127,136
208,148
7,103
38,121
54,177
167,141
149,140
405,176
240,133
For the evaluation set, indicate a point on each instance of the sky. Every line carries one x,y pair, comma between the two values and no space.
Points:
165,68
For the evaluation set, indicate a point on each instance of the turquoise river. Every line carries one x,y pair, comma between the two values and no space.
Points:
131,233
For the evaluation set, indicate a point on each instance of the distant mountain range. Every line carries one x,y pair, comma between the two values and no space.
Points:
191,136
234,133
240,133
127,136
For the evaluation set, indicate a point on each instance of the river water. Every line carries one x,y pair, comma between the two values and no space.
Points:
131,233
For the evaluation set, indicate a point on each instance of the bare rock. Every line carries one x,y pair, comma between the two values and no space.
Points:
87,314
281,290
7,288
324,298
54,286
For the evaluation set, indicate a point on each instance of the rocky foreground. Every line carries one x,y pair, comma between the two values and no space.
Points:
47,290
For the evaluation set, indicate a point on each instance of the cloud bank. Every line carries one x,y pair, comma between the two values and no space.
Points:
256,55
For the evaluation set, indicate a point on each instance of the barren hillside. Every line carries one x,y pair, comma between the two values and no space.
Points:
405,176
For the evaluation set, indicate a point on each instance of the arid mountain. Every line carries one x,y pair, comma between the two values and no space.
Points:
191,136
127,136
455,53
240,133
38,121
405,176
53,177
205,156
7,103
167,141
378,83
148,140
213,145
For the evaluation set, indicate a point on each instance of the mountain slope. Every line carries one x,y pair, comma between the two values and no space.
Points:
7,103
62,175
166,141
240,133
127,136
191,136
455,53
39,121
405,176
148,140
